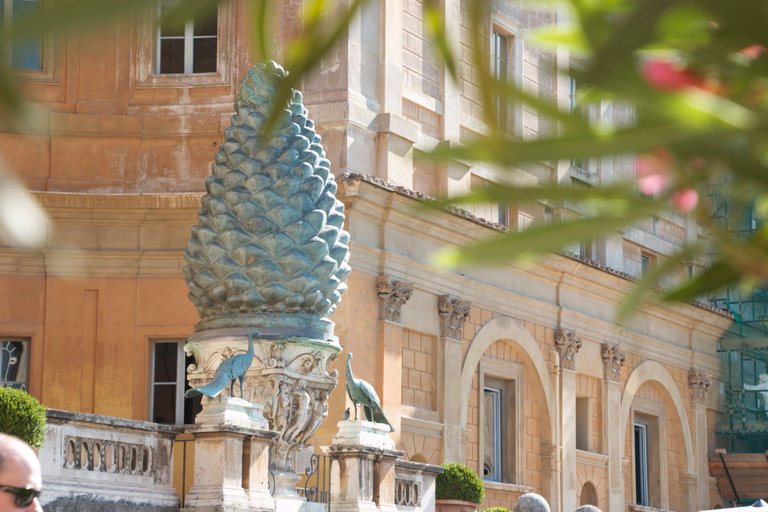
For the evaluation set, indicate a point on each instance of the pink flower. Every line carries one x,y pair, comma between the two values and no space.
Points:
654,171
754,51
685,200
669,77
652,184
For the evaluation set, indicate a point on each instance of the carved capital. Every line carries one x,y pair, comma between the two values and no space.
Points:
567,344
392,296
613,360
699,383
453,312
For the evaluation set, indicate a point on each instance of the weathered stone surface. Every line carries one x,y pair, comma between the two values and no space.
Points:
588,508
531,502
269,239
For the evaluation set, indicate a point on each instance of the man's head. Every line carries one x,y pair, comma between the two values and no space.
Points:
19,469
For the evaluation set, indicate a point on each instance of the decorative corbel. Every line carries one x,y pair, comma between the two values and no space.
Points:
392,296
613,360
699,382
453,312
567,344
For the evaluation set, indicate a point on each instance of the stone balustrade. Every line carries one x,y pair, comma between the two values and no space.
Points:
91,462
415,486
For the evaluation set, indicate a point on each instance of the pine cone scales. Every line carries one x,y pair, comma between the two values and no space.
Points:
270,237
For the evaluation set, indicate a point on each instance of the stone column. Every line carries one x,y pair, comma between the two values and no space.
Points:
363,468
453,312
699,383
568,344
688,492
392,295
222,429
613,430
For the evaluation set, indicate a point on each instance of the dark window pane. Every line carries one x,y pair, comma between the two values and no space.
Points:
165,362
171,56
205,55
170,28
206,24
164,404
11,359
26,47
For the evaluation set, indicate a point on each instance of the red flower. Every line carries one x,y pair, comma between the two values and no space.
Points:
669,77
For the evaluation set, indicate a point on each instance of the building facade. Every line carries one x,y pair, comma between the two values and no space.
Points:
518,371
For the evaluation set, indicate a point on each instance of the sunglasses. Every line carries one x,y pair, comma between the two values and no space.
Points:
24,495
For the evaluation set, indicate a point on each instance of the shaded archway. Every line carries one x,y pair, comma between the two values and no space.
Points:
515,333
653,371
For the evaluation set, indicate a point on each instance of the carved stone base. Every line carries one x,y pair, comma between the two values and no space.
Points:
360,433
289,376
227,410
359,451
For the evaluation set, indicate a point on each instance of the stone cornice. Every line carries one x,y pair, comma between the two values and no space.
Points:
464,214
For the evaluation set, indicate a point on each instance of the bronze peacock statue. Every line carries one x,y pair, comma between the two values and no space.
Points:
229,371
360,392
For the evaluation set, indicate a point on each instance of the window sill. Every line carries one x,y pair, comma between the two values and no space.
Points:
501,486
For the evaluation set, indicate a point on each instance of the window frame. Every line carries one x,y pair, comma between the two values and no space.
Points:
514,68
189,38
146,51
48,70
653,415
512,456
180,383
25,365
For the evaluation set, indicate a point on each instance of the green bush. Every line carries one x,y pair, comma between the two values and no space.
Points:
458,482
22,416
495,509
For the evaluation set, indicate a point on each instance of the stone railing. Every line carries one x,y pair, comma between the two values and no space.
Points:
415,486
92,461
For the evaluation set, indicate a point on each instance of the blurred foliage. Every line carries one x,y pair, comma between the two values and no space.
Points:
695,71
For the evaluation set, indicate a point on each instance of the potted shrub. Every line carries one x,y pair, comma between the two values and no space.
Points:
458,489
22,416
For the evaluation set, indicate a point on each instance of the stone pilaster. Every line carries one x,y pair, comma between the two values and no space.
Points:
363,468
613,431
221,468
392,296
453,312
568,345
699,383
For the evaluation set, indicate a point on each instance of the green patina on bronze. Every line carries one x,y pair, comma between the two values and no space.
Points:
269,249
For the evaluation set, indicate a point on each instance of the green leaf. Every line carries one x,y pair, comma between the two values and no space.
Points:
568,34
536,240
434,21
718,275
642,288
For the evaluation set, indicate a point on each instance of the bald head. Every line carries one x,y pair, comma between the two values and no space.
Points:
19,468
12,448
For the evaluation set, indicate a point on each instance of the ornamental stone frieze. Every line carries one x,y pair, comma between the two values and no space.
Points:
698,383
613,360
392,295
453,312
567,344
89,454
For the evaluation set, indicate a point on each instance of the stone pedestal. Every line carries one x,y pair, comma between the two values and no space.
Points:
231,458
363,468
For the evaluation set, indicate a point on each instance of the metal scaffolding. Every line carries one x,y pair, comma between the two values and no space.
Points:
743,349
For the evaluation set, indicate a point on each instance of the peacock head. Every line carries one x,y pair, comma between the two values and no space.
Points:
349,356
